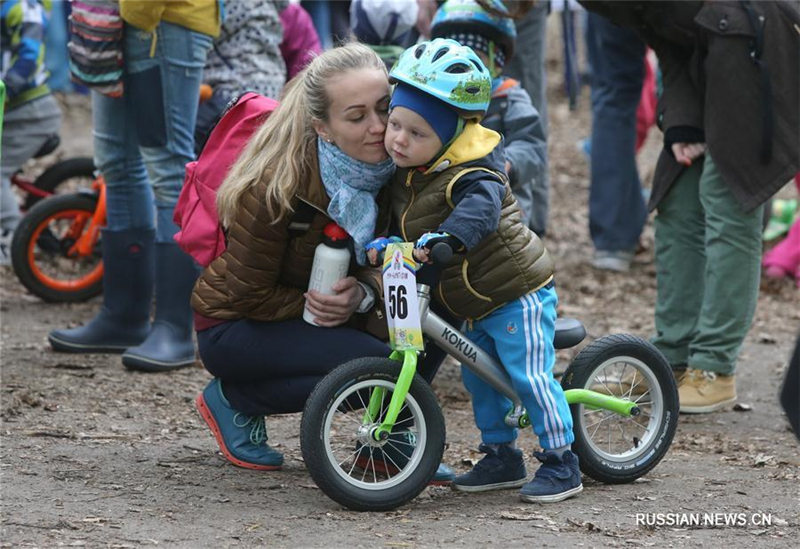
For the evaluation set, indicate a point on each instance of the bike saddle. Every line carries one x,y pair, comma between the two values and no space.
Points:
569,332
48,146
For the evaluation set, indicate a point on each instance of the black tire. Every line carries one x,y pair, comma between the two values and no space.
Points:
333,428
41,262
55,176
626,447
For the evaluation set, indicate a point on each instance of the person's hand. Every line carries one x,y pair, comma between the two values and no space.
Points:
508,167
425,243
685,153
334,310
375,248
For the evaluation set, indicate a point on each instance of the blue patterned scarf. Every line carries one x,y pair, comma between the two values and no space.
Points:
352,186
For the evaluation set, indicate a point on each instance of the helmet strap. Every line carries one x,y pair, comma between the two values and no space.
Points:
494,70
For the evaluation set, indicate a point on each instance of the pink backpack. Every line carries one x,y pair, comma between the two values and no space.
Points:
200,233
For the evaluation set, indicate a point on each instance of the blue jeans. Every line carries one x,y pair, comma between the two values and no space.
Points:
617,211
143,140
520,335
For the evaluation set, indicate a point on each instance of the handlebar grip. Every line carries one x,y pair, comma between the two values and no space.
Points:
441,253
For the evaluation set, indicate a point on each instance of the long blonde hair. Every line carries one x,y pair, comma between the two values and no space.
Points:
278,152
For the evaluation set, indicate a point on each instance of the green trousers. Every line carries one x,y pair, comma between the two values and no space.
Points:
708,268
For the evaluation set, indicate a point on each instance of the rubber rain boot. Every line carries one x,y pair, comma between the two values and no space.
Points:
124,318
169,345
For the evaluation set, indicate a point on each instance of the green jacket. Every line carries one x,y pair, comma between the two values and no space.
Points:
507,263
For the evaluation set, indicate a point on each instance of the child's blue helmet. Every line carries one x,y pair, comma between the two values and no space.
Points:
456,17
448,71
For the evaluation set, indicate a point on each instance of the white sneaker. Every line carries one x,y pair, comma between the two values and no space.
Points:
5,247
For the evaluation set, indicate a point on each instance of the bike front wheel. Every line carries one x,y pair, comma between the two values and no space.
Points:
339,448
613,448
42,250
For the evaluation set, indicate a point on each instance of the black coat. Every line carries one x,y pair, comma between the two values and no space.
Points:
730,73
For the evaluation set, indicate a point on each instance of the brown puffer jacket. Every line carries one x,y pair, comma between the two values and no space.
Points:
264,271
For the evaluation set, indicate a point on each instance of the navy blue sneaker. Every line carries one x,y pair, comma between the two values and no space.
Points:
557,479
502,467
393,456
242,439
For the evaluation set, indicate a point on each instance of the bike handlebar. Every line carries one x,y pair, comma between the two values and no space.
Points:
441,253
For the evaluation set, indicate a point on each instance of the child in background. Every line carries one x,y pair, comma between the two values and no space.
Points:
383,25
450,186
510,113
31,112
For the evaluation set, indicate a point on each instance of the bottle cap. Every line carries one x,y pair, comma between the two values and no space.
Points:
335,236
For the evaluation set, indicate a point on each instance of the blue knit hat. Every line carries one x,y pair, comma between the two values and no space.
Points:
442,117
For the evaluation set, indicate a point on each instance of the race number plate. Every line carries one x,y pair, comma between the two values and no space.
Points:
400,295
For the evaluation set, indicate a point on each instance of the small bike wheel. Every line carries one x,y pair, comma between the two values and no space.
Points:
42,250
339,449
65,176
612,448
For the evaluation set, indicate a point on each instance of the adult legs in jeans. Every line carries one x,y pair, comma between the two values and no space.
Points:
142,159
527,66
708,271
617,211
167,85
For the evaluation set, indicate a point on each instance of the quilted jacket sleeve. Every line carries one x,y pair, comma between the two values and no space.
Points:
252,265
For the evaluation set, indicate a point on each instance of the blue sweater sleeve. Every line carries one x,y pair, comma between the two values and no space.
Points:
477,197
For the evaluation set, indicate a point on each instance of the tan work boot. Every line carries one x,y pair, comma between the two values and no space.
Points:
631,384
701,392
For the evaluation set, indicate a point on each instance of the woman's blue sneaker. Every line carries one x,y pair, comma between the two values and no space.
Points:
242,439
557,479
502,467
393,456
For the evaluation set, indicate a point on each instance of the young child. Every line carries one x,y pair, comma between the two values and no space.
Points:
511,113
384,26
450,185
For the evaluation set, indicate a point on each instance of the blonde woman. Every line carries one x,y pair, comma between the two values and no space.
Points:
323,147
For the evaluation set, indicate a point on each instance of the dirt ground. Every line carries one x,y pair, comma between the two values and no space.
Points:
93,455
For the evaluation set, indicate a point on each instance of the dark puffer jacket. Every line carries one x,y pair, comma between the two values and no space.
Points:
731,73
265,269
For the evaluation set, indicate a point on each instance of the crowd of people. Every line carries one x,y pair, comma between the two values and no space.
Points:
426,119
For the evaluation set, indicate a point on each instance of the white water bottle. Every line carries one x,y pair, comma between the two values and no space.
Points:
331,262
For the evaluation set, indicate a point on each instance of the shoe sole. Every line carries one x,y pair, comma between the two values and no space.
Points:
62,346
208,417
381,467
554,498
135,362
706,409
488,487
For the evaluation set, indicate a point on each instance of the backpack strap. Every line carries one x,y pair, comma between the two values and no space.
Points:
449,190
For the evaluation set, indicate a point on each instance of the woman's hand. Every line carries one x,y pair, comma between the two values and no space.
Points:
334,310
685,153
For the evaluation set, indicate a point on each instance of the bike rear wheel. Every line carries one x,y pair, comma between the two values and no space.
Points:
42,255
66,176
613,448
343,458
